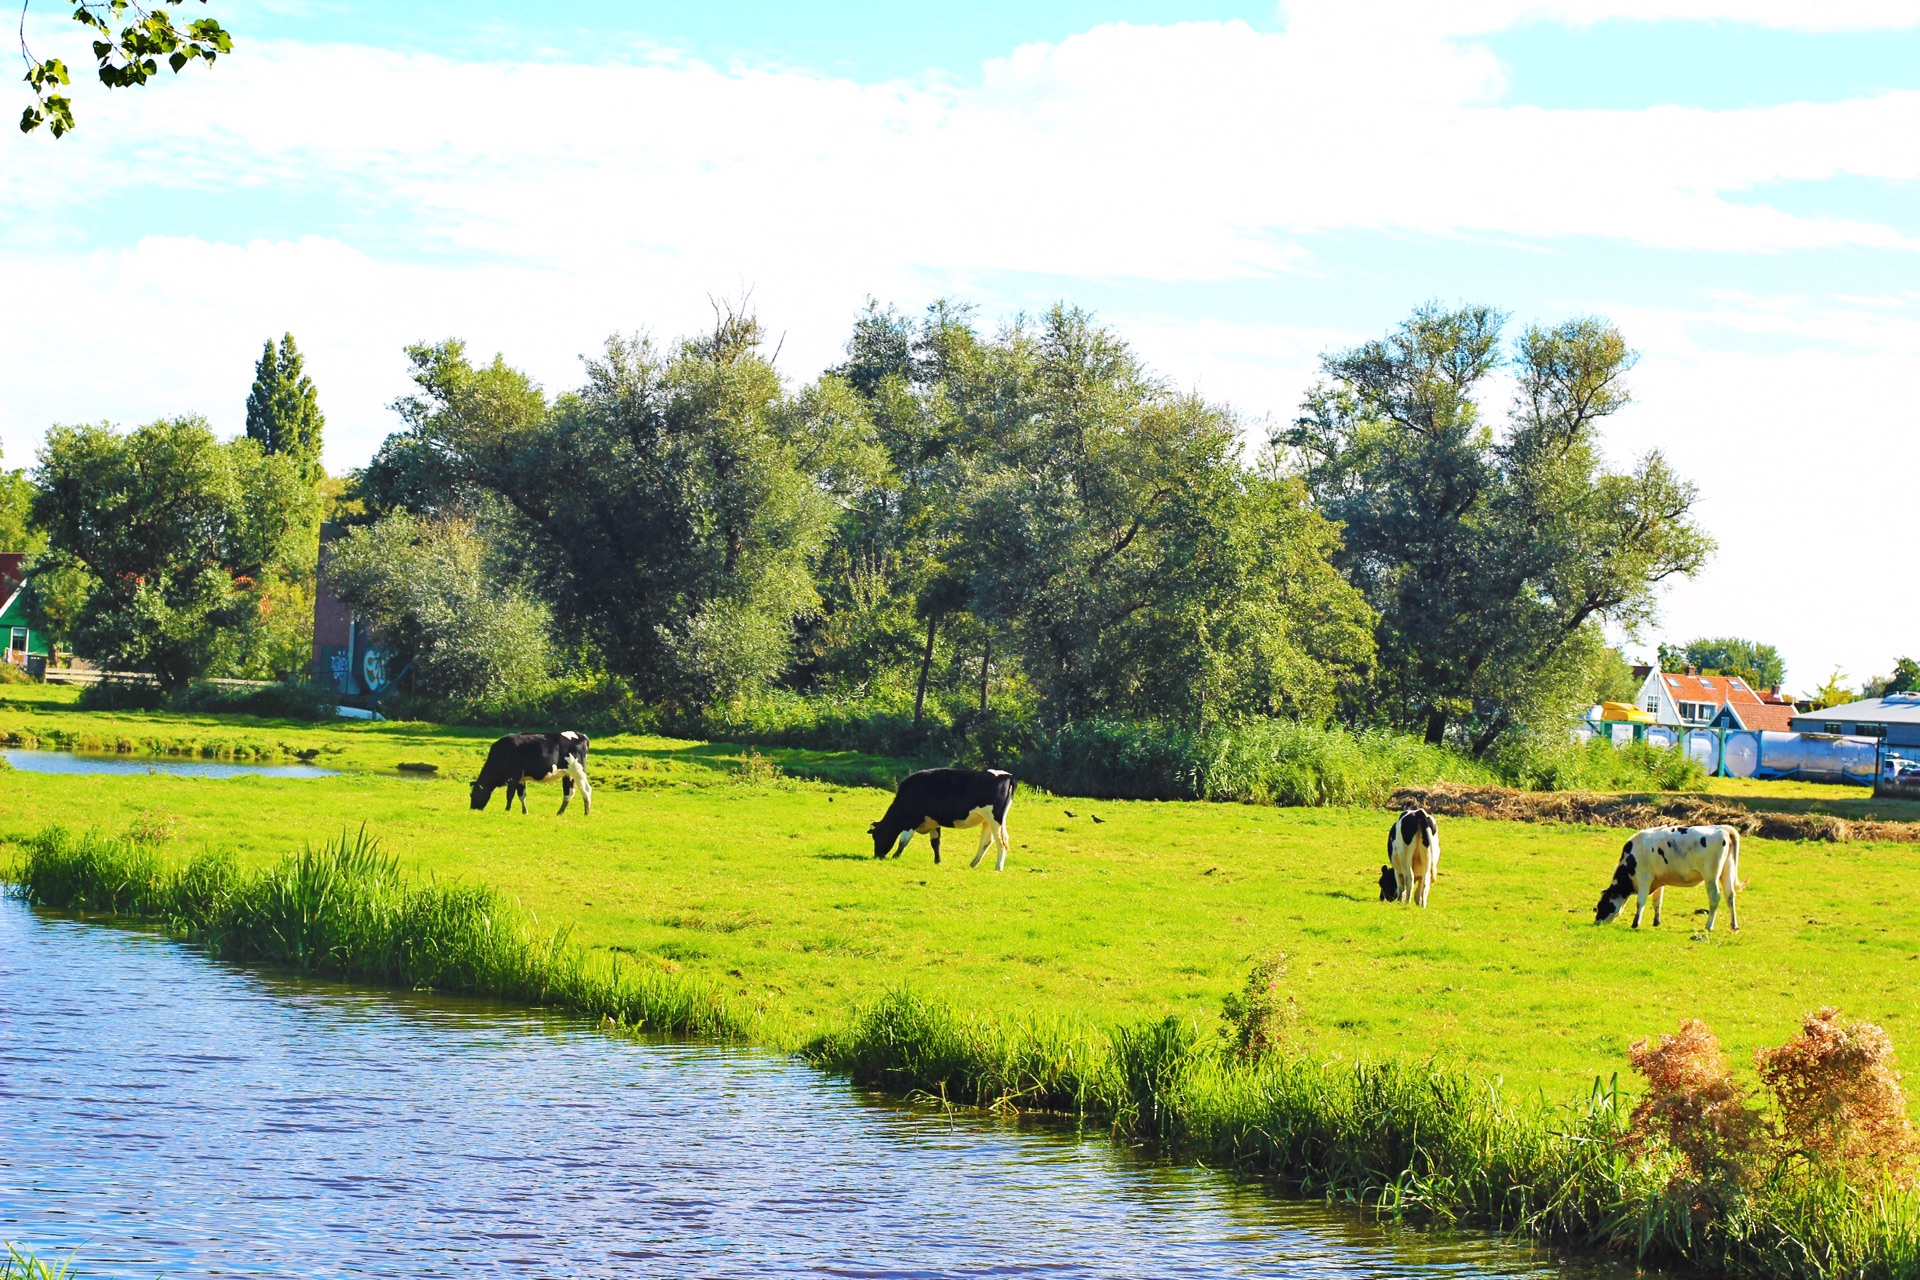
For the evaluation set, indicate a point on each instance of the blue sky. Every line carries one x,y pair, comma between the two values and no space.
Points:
1235,187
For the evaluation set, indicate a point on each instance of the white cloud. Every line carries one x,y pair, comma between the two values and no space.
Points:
534,208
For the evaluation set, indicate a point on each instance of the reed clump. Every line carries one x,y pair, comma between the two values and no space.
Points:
346,910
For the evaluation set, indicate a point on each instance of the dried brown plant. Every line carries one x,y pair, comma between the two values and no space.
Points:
1693,1107
1840,1100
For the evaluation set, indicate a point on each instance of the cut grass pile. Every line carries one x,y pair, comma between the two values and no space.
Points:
1781,820
1408,1137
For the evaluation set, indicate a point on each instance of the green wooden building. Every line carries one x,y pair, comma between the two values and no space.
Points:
18,634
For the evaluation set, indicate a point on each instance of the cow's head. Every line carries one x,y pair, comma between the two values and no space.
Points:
1614,898
882,839
481,793
1389,884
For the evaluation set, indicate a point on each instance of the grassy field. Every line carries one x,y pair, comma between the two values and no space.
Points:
769,888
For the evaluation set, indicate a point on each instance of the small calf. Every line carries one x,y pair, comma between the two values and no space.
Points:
520,758
1661,856
934,798
1413,847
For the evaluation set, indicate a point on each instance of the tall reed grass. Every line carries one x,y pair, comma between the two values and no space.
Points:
346,910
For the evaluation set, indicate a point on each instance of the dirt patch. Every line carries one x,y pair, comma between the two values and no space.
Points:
1636,811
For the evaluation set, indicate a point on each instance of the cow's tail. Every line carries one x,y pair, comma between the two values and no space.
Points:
1733,862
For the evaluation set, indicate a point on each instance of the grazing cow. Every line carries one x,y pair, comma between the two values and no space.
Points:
1389,884
936,798
1413,847
1661,856
520,758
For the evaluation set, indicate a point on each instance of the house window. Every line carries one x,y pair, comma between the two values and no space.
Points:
1653,705
1870,730
1830,726
18,642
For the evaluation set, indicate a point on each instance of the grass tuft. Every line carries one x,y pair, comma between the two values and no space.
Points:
346,910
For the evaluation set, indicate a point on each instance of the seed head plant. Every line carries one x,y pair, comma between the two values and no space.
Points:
1841,1104
1694,1108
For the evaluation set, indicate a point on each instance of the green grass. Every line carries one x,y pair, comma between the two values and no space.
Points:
769,893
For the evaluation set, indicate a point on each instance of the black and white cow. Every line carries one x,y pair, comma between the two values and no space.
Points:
1389,884
934,798
520,758
1413,849
1661,856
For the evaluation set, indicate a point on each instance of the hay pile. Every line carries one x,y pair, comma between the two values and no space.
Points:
1636,811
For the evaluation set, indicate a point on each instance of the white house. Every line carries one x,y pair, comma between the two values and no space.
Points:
1689,700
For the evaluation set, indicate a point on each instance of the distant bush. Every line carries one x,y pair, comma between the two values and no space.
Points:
122,695
10,674
1539,764
1261,762
288,700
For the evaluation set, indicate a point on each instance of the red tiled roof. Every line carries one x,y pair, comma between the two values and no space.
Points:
10,574
1715,689
1775,717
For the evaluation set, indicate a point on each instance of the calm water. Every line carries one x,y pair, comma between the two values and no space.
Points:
70,762
162,1115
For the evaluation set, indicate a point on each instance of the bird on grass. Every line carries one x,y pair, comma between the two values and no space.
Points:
1097,818
1070,813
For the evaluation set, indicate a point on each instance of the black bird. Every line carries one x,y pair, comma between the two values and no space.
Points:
1070,813
1097,818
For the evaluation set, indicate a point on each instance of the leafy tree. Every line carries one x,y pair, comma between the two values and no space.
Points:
427,586
17,531
129,56
1905,678
165,543
671,510
1491,557
1049,501
283,410
1613,678
1835,692
1758,664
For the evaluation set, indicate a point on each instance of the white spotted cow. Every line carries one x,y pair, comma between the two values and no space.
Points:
934,798
1413,853
520,758
1660,857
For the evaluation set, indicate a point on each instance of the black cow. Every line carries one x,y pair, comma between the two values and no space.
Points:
520,758
1389,884
936,798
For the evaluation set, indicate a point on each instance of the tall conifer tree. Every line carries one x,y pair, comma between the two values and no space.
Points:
283,410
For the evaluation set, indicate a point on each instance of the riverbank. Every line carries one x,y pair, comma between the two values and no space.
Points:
1406,1137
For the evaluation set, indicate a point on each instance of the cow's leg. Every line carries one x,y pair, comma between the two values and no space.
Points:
986,838
1713,902
566,791
1421,883
523,795
1733,888
1639,908
933,838
1006,843
1403,876
1659,900
906,838
577,774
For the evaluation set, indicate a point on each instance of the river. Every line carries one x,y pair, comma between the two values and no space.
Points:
163,1115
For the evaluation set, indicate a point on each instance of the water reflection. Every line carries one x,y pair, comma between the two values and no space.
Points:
171,1116
73,762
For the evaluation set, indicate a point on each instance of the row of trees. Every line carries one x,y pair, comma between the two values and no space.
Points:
1030,519
950,520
